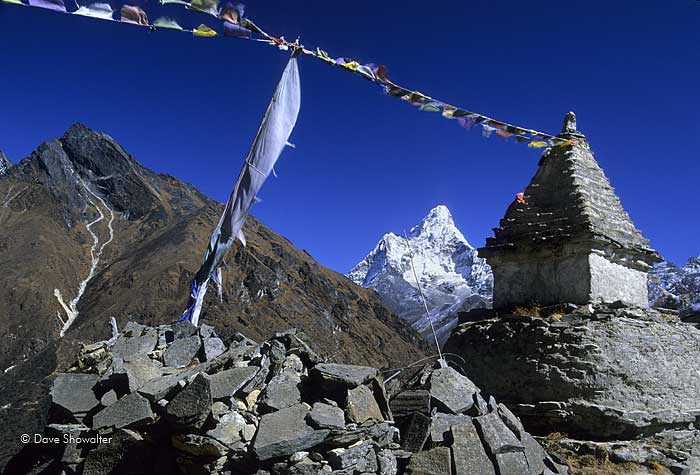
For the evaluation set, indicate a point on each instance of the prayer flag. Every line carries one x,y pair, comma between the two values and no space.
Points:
165,22
269,142
177,2
487,129
236,31
103,11
504,134
12,2
134,15
204,30
233,13
206,6
55,5
537,144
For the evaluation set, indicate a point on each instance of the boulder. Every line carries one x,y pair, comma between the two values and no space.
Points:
229,430
139,370
360,458
451,390
136,339
415,432
601,374
407,402
441,424
284,432
182,351
282,391
213,347
227,383
199,446
124,452
361,406
73,392
497,437
348,376
325,416
435,461
133,410
468,452
191,407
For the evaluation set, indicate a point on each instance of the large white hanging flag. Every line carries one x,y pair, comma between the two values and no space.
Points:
272,137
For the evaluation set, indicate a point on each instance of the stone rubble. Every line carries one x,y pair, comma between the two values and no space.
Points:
176,399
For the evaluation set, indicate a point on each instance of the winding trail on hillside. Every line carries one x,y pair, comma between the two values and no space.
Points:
96,251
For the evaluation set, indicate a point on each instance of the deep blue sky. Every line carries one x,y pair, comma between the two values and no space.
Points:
366,164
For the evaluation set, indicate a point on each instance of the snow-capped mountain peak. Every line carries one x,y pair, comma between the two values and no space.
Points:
451,274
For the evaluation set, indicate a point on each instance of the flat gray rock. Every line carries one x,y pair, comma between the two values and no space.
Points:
416,432
513,463
534,453
140,369
468,452
441,424
452,390
133,410
361,406
126,452
407,402
191,407
346,375
282,433
282,391
135,340
227,383
182,351
73,392
325,416
497,437
360,458
213,347
435,461
199,446
229,429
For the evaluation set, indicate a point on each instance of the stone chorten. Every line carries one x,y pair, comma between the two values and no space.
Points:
570,241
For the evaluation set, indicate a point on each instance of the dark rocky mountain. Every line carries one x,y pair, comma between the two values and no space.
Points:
87,233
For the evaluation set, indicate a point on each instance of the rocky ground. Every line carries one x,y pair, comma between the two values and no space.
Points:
177,399
619,381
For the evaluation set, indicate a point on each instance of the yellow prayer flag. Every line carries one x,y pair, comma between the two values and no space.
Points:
537,144
204,30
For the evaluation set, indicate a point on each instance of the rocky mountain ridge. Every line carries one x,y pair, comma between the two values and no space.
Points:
88,233
452,276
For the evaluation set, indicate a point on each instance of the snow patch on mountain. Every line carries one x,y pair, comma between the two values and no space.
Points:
671,286
5,164
451,274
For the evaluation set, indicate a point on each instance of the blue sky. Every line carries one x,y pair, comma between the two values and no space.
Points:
366,164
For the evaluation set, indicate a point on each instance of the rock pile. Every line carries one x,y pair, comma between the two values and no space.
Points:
177,399
606,373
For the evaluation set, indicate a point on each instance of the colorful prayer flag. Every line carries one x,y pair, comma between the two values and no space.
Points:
236,31
205,31
55,5
210,7
537,144
103,11
165,22
134,15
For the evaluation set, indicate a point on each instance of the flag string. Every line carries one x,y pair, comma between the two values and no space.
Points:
236,25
